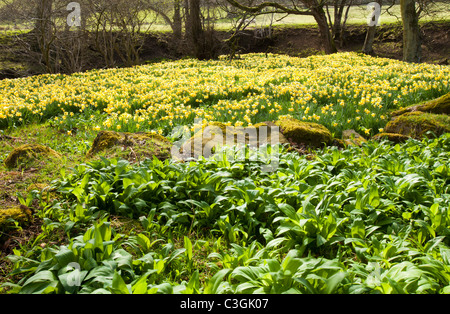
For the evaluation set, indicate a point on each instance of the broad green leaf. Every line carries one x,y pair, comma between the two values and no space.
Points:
288,210
374,198
213,283
358,229
42,282
193,286
320,240
334,281
100,272
73,280
188,248
119,285
309,288
65,256
140,287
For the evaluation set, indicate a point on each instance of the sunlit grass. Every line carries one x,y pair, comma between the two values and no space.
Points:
357,14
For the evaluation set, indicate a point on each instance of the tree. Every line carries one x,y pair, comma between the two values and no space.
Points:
198,36
411,12
411,31
49,45
164,8
341,8
45,31
200,29
370,35
315,8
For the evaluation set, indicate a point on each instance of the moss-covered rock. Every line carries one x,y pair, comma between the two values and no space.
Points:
103,141
130,146
215,135
22,215
439,105
393,137
308,133
27,153
339,143
351,137
416,124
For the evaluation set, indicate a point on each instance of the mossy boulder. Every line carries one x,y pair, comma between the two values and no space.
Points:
439,105
215,135
22,215
130,146
393,137
351,137
339,143
416,124
307,133
28,153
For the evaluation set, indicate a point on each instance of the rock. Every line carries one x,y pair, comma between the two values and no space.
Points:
439,105
130,146
393,137
416,124
351,137
215,135
23,215
308,133
339,143
28,152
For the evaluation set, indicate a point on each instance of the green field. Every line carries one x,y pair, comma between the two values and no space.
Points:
357,14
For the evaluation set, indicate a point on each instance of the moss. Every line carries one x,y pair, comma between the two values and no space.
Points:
27,153
38,186
220,134
416,124
351,137
104,140
130,146
46,191
211,136
439,105
339,143
269,124
393,137
309,133
22,215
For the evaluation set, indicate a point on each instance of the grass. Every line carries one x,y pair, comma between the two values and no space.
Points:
357,15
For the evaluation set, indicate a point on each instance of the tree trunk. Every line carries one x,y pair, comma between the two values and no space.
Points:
337,26
411,31
177,24
43,14
327,39
368,42
44,32
197,33
187,20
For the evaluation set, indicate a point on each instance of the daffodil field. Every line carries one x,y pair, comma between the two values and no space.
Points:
359,219
340,91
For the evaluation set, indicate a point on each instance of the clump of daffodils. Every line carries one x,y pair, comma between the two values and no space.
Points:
339,90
